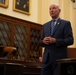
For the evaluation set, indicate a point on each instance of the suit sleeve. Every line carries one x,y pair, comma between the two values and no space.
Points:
68,36
42,37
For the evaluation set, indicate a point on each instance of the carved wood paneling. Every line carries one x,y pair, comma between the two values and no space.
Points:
22,34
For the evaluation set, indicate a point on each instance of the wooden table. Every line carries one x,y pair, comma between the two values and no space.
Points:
67,66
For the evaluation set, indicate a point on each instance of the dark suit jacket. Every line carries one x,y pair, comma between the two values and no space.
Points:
64,37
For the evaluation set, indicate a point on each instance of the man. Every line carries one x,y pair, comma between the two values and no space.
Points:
55,41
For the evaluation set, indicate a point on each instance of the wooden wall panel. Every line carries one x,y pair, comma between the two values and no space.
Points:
24,35
71,52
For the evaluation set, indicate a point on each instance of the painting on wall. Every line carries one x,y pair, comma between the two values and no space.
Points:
22,6
4,3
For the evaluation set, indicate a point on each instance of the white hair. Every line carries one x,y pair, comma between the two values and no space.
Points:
56,5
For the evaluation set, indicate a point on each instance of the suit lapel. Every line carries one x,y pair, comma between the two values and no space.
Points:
57,25
49,28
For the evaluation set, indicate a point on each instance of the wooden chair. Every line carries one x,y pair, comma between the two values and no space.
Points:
7,51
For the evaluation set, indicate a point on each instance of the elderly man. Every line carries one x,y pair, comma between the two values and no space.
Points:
56,36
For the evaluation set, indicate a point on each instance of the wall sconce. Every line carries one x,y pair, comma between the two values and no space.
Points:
73,1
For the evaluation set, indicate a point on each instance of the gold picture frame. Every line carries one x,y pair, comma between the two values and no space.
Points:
22,6
4,3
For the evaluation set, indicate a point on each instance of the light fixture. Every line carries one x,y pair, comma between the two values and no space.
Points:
73,1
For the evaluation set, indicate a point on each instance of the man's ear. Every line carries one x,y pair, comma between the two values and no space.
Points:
60,10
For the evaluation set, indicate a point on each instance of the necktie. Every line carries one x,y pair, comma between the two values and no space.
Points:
52,26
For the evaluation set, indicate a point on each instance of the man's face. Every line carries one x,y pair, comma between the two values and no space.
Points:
54,11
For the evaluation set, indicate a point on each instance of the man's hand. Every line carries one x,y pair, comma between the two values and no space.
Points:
40,59
52,40
48,40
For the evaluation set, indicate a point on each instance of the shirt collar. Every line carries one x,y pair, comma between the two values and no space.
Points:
56,19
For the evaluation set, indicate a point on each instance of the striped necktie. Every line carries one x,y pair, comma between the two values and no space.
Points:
52,26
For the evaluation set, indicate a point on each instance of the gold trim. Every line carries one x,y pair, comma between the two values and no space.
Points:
4,5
